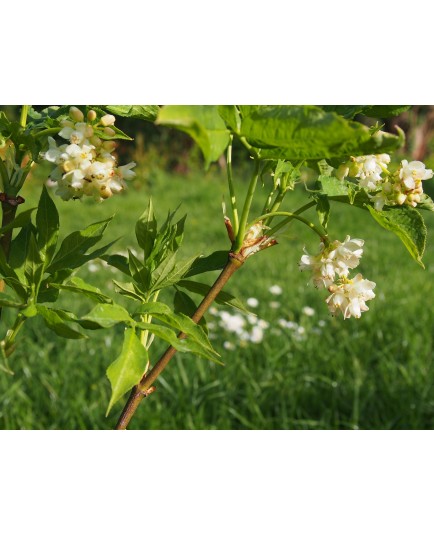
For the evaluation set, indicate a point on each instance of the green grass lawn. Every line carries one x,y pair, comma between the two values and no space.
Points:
320,372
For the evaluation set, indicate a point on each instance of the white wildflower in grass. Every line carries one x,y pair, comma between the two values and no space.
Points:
228,345
334,259
275,290
256,335
274,304
308,311
252,302
86,165
350,296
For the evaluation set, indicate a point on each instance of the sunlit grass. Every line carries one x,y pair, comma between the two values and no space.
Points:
308,371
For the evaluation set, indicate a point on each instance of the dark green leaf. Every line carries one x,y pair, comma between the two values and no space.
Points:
202,123
407,223
21,220
223,297
55,319
129,367
118,261
70,254
146,230
47,224
78,286
182,303
215,261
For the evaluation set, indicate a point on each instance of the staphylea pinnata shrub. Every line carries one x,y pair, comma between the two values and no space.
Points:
351,162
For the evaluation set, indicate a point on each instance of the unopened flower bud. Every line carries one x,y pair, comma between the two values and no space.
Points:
95,141
109,146
91,115
75,114
109,131
107,120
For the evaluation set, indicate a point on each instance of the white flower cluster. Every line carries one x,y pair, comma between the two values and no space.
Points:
335,260
86,165
403,187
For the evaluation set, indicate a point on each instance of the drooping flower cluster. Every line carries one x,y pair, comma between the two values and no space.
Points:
330,268
403,187
86,165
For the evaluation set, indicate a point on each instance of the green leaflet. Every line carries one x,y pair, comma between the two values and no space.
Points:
202,123
127,370
407,223
107,315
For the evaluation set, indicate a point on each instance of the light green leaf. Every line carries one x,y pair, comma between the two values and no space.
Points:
47,225
309,133
202,123
136,111
407,223
176,274
129,367
107,315
129,290
182,323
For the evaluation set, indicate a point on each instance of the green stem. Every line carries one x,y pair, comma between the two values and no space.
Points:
4,174
235,222
8,342
141,390
47,132
290,216
23,116
246,208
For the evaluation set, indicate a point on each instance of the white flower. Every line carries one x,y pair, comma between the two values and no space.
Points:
252,302
274,304
336,258
350,297
233,323
275,289
308,311
124,172
257,334
227,345
367,168
412,172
